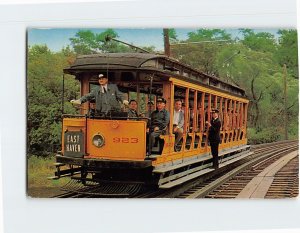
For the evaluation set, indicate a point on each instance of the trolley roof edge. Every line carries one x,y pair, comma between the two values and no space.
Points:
152,63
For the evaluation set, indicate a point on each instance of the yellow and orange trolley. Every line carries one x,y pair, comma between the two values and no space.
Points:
113,148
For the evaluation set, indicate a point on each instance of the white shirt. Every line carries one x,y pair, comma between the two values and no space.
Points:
102,90
176,117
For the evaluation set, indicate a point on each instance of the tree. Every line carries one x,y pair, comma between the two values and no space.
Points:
201,49
208,35
288,51
44,83
262,78
172,34
87,42
261,41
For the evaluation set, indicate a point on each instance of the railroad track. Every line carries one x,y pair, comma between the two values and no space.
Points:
75,189
208,186
272,172
287,178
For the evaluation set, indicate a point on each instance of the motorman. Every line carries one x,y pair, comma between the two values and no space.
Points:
107,97
214,136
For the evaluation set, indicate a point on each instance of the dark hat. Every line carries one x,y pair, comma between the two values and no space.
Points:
214,110
160,99
150,102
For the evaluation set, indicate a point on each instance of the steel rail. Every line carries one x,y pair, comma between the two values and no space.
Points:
257,158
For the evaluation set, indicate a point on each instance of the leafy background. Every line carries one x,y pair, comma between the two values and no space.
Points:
254,62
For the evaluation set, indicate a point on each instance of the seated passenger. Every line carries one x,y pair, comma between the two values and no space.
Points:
199,113
149,109
132,111
160,119
178,122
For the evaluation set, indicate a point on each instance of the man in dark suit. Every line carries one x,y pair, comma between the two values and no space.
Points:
107,97
214,136
160,119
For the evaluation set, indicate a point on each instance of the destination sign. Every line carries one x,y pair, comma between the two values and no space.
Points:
74,144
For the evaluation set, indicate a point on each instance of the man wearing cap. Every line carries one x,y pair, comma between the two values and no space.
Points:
214,136
107,96
149,109
160,119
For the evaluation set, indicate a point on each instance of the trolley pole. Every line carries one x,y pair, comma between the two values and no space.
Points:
149,149
63,95
285,102
167,42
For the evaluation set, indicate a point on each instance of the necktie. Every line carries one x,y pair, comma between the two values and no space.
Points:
104,89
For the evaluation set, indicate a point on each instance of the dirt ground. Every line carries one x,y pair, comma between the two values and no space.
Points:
43,192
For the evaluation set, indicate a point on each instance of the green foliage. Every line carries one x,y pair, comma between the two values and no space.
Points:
203,49
44,84
288,51
199,56
172,34
150,49
87,42
262,41
254,63
208,34
265,135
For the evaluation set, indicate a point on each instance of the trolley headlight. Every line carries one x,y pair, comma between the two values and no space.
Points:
98,140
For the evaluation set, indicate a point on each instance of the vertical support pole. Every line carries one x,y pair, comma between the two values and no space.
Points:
216,102
202,118
195,111
226,118
221,112
238,115
171,108
63,95
242,115
186,112
230,114
62,119
138,95
150,94
234,115
149,110
85,89
245,115
209,107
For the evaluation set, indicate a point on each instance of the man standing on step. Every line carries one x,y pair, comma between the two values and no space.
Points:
214,136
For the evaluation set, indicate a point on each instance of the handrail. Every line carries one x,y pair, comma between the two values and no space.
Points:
104,117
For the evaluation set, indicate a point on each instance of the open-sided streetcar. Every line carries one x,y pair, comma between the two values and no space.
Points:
111,148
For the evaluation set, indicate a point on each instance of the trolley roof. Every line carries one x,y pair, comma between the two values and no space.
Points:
162,64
